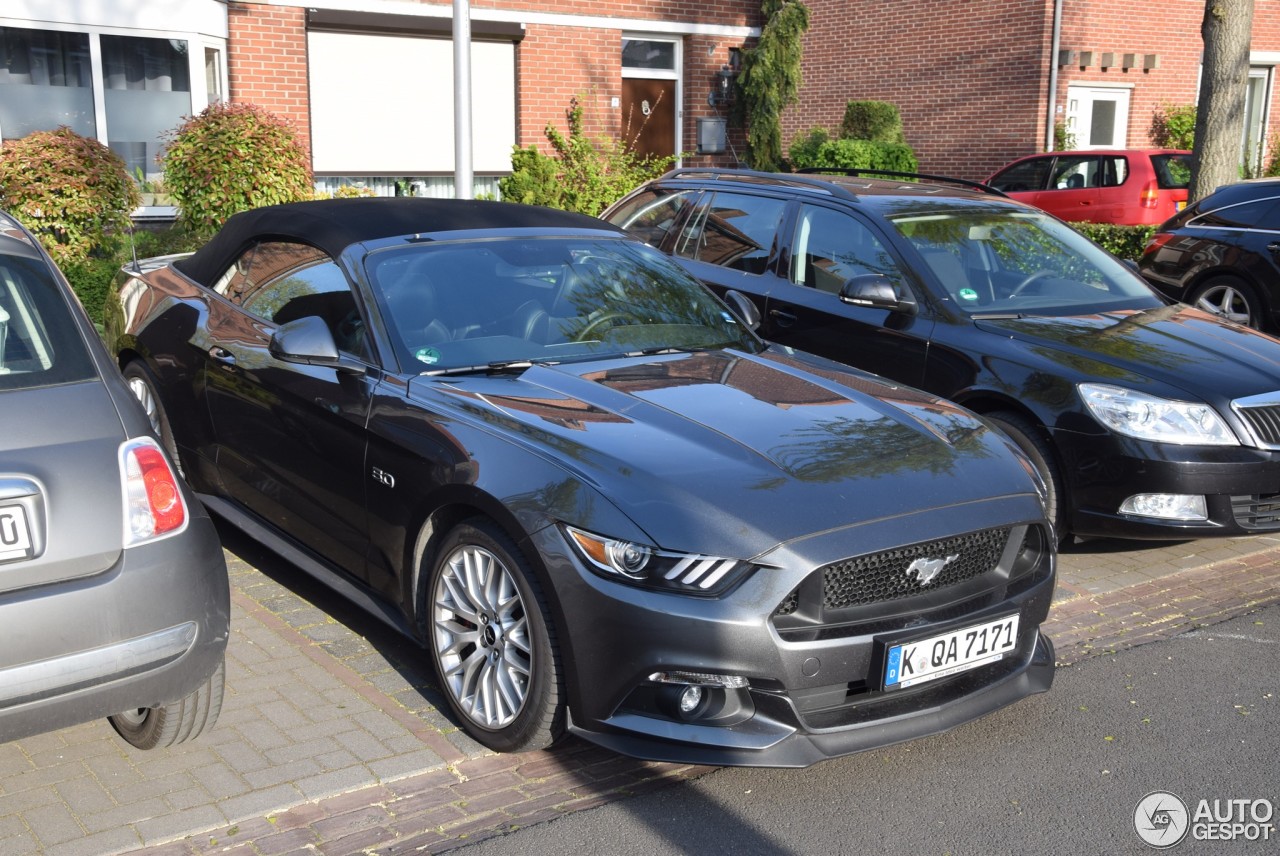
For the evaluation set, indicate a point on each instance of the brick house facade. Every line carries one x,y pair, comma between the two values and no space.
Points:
972,78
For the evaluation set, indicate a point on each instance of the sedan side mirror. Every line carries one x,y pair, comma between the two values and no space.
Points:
309,341
744,308
878,291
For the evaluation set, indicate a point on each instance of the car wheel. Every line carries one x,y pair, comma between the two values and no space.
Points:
1028,437
493,642
143,387
160,727
1230,298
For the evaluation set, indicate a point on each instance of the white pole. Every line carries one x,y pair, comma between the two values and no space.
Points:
463,180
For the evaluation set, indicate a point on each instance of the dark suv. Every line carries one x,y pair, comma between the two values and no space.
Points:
1146,419
1223,253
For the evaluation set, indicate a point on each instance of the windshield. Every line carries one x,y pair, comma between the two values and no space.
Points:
476,303
1002,260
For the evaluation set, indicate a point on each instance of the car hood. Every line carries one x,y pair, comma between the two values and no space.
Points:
64,439
1192,353
729,453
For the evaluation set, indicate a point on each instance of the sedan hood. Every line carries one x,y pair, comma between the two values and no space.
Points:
732,454
1191,352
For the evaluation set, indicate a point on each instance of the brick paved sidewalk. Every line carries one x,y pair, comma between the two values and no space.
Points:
330,740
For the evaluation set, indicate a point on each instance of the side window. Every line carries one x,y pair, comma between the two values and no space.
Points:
1262,214
1172,170
830,248
651,215
1074,172
733,230
1115,169
262,263
1028,175
320,289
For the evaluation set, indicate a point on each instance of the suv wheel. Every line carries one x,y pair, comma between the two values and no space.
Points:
1230,298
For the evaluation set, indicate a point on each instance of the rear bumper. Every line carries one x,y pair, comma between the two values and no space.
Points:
149,631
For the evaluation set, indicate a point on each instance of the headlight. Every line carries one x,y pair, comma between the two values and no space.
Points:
1149,418
643,565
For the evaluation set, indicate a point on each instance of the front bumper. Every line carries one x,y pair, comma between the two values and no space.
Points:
1241,486
146,632
815,683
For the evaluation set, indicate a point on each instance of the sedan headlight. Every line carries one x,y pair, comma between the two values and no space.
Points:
1146,417
643,565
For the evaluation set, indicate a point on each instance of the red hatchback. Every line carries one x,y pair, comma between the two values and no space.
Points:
1130,187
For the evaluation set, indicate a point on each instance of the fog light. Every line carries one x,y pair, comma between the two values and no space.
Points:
729,682
690,699
1166,506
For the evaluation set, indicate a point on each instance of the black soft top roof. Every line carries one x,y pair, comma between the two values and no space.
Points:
332,225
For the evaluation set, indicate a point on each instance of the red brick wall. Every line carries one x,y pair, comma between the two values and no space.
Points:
971,76
267,60
268,65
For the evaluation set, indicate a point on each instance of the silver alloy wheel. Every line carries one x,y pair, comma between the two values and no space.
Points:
482,637
1226,301
134,717
142,391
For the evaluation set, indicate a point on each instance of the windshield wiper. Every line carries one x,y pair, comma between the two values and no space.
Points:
997,316
492,368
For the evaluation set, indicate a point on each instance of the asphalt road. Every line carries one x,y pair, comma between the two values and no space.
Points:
1197,715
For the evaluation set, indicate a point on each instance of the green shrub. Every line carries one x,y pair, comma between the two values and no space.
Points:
770,79
1173,126
1125,242
230,158
71,191
857,154
91,280
1063,139
585,174
878,121
804,147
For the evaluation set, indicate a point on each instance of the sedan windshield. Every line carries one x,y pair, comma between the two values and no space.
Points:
473,304
998,261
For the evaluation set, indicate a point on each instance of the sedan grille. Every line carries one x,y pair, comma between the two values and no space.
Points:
897,573
1262,414
1257,512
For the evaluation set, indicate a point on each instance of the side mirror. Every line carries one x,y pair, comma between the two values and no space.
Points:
877,291
308,341
744,308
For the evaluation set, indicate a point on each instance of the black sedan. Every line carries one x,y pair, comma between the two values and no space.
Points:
1147,420
1222,254
603,505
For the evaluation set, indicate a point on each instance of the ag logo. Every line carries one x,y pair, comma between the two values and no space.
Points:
925,570
1161,819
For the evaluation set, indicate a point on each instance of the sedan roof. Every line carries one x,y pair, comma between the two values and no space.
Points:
332,225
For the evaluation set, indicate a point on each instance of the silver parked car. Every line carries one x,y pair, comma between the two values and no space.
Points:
113,589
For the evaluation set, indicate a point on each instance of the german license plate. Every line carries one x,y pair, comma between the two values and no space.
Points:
912,663
1179,205
15,534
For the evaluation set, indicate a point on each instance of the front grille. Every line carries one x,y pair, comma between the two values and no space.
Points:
1262,414
883,576
1257,512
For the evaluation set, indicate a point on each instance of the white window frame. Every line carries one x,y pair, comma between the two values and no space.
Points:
1075,112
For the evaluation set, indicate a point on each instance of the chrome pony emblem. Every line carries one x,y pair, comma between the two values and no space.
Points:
925,570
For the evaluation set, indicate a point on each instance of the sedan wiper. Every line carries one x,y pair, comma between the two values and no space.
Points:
493,367
996,316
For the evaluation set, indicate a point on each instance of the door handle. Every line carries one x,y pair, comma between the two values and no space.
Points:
222,356
1274,247
784,318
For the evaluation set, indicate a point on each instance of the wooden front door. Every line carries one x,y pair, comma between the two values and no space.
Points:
649,116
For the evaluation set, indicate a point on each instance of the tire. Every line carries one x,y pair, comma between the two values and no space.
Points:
161,727
1029,437
143,387
1230,298
492,641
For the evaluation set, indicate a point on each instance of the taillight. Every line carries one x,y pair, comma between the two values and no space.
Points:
153,504
1150,194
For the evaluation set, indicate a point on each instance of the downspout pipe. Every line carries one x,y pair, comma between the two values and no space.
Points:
463,174
1055,43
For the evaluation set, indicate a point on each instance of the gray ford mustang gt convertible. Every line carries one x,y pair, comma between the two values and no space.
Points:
600,502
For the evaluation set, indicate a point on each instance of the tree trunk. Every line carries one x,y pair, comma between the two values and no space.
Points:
1227,31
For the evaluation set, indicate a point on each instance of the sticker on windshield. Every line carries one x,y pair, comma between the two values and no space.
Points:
968,294
430,356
